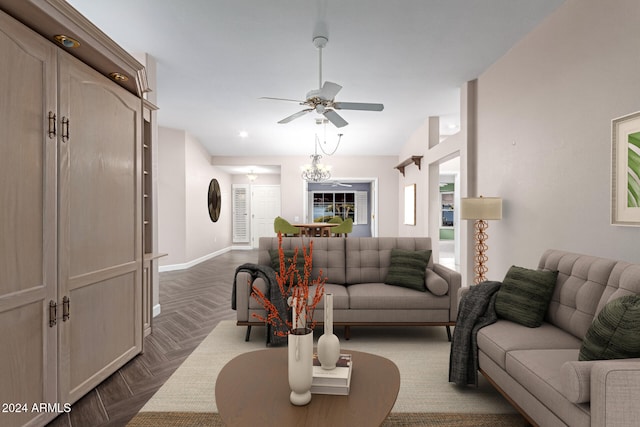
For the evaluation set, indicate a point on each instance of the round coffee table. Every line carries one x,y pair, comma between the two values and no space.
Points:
253,389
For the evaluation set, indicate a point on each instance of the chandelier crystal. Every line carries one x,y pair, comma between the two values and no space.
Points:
316,171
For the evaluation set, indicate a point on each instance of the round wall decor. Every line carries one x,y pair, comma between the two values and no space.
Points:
214,200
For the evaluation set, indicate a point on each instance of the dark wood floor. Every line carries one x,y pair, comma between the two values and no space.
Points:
193,301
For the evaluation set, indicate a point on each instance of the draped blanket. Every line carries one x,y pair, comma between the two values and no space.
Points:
476,310
273,293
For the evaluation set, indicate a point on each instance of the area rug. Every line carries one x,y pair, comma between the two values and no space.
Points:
201,419
421,354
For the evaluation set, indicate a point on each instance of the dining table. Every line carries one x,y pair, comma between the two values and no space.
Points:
322,229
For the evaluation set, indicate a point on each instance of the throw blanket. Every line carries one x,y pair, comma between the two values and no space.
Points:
476,310
273,293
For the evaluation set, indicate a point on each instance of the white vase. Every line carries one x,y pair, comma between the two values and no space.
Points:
300,360
328,343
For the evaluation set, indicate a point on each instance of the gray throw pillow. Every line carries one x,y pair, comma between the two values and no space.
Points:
525,294
407,269
615,332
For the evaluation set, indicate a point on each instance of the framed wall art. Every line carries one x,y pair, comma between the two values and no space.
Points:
214,200
625,170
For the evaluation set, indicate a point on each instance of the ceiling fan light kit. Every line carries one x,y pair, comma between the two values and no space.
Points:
322,100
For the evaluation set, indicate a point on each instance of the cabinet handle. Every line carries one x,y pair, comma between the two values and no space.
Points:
65,309
52,125
65,129
53,313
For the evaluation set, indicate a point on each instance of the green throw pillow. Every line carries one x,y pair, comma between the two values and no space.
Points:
288,256
407,269
615,332
524,295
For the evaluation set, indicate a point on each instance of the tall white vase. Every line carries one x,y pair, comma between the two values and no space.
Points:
328,343
300,359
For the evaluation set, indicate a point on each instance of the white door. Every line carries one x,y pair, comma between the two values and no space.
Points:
265,206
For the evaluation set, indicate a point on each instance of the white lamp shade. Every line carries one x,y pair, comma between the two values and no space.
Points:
481,208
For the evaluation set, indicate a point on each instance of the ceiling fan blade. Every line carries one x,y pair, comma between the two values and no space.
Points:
295,116
281,99
357,106
335,118
329,90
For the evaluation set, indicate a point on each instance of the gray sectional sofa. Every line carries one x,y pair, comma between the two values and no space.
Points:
356,269
538,370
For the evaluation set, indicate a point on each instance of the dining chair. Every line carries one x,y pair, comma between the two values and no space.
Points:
283,226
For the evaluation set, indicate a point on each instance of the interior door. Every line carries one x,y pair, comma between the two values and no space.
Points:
27,224
265,207
100,245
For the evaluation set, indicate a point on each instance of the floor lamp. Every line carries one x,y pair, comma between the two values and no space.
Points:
480,209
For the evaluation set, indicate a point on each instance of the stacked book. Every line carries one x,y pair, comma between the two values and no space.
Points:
333,381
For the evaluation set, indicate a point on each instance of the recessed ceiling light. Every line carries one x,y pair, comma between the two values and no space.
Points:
243,134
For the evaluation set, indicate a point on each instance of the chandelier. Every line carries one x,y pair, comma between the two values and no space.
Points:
316,171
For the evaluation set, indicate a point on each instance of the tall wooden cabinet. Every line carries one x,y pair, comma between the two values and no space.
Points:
28,255
71,207
100,235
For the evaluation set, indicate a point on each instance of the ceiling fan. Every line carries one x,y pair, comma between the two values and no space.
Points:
322,100
336,184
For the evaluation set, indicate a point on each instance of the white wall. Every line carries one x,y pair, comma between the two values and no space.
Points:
544,134
417,145
185,230
171,195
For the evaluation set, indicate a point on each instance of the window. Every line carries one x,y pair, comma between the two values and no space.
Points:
342,204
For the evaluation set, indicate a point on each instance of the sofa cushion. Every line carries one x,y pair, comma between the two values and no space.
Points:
539,372
407,269
525,294
340,296
498,339
615,332
387,297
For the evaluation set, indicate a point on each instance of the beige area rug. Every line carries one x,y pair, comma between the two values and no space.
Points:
201,419
421,354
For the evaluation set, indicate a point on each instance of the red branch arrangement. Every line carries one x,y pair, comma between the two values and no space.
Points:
293,287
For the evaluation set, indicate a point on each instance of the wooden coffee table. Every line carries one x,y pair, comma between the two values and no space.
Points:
253,390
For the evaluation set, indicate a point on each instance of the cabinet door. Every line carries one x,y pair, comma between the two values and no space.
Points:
100,244
27,223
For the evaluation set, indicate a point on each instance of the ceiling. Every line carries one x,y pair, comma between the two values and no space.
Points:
216,58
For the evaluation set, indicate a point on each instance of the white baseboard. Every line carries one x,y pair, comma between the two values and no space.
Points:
246,247
174,267
156,310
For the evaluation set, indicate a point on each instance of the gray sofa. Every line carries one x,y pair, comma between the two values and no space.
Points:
356,269
537,369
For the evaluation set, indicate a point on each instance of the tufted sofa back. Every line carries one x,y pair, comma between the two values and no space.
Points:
368,258
585,284
347,260
328,254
